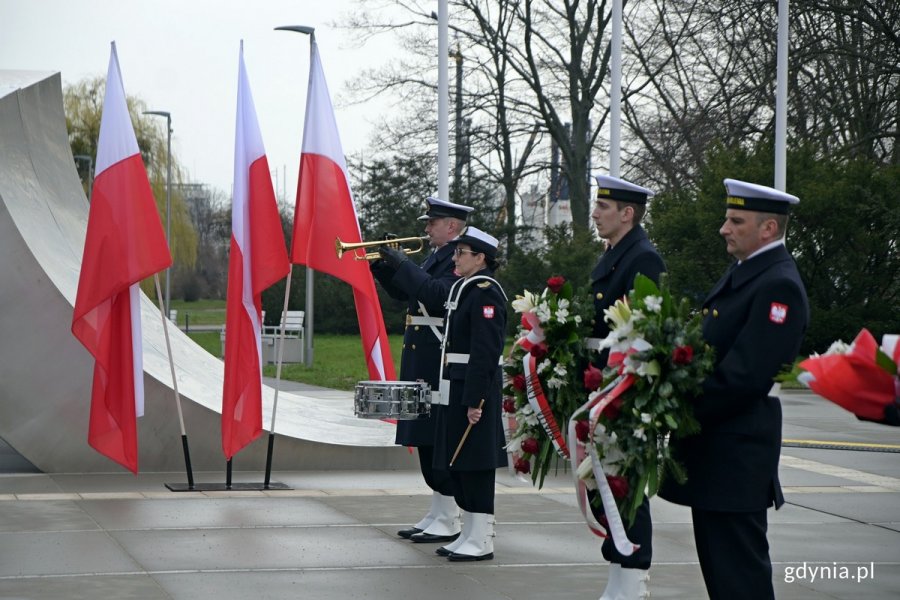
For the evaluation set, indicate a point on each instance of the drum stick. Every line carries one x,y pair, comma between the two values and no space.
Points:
465,435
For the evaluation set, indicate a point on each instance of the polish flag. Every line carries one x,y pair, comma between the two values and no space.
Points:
258,259
125,243
325,211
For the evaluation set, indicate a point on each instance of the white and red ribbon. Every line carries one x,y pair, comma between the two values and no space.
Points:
594,408
541,406
534,391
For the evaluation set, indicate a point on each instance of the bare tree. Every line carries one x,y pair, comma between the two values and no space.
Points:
703,73
527,62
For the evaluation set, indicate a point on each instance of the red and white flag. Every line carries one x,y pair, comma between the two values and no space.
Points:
258,259
325,211
125,243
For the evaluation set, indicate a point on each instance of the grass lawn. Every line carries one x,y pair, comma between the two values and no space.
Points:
201,312
338,362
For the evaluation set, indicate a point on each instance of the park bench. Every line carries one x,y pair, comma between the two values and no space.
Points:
294,338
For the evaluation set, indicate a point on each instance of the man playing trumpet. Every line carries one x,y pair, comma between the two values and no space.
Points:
426,287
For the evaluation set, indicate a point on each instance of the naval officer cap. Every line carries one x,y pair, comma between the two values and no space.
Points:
479,241
435,208
613,188
750,196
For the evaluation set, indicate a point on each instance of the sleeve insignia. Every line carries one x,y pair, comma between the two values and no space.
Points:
778,313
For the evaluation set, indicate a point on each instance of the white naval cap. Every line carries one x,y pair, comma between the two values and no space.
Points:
479,241
435,208
750,196
619,189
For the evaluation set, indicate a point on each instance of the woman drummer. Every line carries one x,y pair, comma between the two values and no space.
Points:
470,438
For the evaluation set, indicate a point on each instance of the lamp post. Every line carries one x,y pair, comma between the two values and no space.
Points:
168,116
90,172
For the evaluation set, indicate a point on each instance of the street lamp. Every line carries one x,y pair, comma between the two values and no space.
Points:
90,172
168,116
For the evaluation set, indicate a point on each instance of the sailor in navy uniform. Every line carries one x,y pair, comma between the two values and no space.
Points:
425,287
617,214
755,318
472,379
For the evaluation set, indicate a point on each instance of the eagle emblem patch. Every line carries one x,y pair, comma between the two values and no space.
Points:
488,312
778,313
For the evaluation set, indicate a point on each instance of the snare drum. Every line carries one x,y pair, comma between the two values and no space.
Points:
392,399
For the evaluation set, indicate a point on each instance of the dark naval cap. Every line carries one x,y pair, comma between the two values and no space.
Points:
750,196
479,241
613,188
435,208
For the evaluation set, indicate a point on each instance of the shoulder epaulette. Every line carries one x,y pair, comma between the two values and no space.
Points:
484,285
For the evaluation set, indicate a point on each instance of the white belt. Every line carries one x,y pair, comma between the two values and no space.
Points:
462,359
456,357
430,321
593,343
442,395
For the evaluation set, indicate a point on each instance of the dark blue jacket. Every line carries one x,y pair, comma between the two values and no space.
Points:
477,327
755,318
613,276
429,284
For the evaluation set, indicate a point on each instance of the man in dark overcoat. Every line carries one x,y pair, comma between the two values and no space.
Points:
617,214
755,318
425,287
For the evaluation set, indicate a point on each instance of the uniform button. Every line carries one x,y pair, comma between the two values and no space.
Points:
705,311
715,313
599,296
413,346
416,328
403,347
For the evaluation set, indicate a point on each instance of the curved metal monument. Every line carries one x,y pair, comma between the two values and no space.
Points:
45,374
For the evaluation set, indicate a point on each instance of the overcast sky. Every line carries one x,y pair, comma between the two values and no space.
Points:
181,56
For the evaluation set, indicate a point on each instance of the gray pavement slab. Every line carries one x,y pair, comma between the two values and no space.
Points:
333,536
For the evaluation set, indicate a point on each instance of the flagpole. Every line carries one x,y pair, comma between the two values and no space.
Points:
443,103
615,92
781,95
278,362
184,440
308,319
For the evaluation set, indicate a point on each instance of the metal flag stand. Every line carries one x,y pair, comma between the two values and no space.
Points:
184,441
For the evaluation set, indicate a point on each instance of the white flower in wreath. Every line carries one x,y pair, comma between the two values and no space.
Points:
585,472
543,312
649,370
578,319
640,434
653,303
646,418
515,444
528,416
524,303
555,383
838,347
560,370
544,365
561,315
610,454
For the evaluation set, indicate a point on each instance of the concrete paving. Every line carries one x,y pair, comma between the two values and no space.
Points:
333,536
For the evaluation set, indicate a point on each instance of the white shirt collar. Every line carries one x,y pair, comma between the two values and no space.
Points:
766,248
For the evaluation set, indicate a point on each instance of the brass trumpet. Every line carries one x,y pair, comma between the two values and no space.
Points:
341,247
